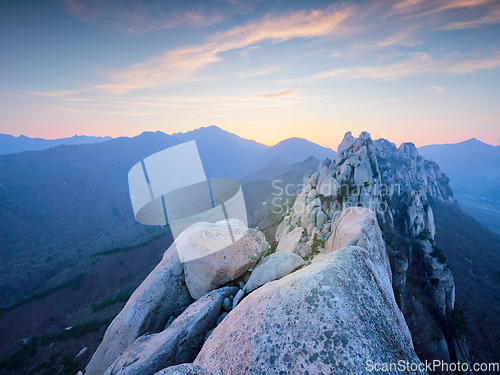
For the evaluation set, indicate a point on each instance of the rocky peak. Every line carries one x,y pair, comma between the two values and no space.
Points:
398,186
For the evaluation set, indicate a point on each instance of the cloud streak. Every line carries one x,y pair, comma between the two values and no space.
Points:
180,65
279,94
419,64
137,18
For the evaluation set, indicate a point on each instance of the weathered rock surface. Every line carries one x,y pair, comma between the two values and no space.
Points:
161,295
219,266
184,369
357,226
179,343
273,267
330,317
327,185
290,241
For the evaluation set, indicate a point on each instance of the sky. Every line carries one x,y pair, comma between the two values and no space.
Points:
421,71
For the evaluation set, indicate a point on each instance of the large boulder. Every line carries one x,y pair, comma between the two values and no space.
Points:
177,344
299,208
184,369
290,241
327,185
226,260
357,226
161,295
327,318
273,267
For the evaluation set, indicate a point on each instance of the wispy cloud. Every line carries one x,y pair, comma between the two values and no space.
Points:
279,94
437,89
255,73
491,18
137,18
427,7
419,64
401,69
58,93
180,65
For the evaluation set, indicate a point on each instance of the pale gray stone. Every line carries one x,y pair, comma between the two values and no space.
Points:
178,344
329,317
161,295
184,369
217,268
273,267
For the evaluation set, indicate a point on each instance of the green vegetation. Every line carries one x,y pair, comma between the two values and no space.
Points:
122,296
16,360
73,283
272,248
316,243
425,235
460,320
344,191
438,253
130,247
397,295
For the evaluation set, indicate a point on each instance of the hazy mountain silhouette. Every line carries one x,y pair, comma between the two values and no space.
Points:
294,150
62,204
10,144
474,171
225,154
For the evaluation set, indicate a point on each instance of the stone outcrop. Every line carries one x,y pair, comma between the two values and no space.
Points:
161,295
208,272
398,186
184,369
273,267
330,317
177,344
290,241
333,295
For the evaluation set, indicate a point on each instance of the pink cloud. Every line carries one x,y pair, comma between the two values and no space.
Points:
279,94
181,64
491,18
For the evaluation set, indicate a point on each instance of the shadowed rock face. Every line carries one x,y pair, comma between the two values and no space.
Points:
329,317
160,296
177,344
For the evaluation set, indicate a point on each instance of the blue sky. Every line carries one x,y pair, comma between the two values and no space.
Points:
424,71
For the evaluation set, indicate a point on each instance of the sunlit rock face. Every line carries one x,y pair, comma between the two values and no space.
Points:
330,317
330,298
220,259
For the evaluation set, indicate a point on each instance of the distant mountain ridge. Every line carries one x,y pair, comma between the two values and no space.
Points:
225,154
474,171
62,204
10,144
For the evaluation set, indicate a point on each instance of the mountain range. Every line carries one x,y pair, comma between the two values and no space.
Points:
72,252
10,144
474,171
67,202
